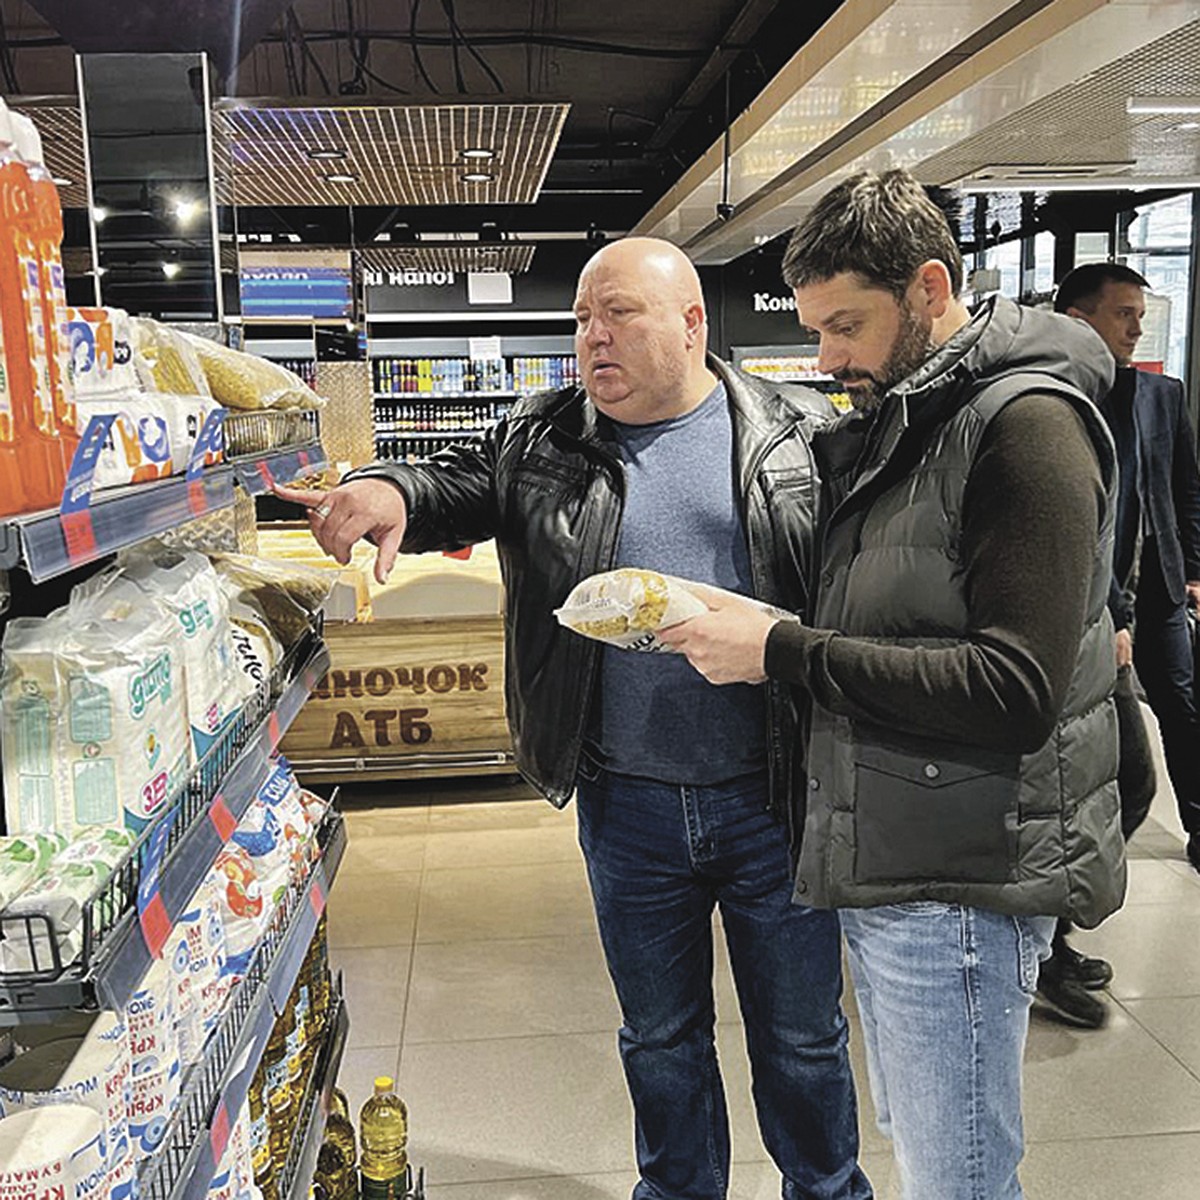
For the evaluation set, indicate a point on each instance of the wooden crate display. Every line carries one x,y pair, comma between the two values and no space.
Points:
407,694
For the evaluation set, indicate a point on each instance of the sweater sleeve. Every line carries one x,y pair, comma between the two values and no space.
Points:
1030,529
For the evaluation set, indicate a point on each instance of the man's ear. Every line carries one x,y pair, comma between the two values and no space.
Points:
1072,311
693,318
932,288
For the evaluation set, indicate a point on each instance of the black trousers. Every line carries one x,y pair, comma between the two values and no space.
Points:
1162,655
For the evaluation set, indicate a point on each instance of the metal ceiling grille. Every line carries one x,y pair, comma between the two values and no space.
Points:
58,121
1086,122
514,258
387,154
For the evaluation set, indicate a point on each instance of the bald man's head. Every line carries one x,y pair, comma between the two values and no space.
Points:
641,331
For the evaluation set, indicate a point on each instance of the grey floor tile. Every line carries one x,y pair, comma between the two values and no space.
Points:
1152,947
509,988
480,903
373,909
760,1180
376,989
1156,881
516,1108
385,853
530,812
1173,1022
1084,1083
476,847
1161,1167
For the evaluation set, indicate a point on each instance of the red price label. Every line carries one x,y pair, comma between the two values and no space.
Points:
197,498
79,535
221,817
316,897
273,729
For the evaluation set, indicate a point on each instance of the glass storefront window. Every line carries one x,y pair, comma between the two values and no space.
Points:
1164,225
1043,262
1006,258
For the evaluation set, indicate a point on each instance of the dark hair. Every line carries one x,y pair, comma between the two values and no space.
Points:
879,227
1081,287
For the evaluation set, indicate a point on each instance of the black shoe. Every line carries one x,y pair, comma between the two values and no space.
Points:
1068,999
1193,851
1091,973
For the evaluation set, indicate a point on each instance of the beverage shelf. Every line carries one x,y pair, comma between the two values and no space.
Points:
120,930
50,543
318,1100
215,1088
402,435
421,397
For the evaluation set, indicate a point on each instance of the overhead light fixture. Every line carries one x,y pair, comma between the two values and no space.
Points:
342,177
99,213
58,181
481,152
1096,183
171,269
331,153
1162,104
478,177
185,210
1187,126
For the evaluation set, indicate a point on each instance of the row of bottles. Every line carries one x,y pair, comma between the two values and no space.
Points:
444,376
38,425
306,368
278,1088
466,376
382,1173
393,417
411,450
544,373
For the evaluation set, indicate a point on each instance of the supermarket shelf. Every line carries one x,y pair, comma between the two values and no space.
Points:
117,949
258,472
215,1089
402,435
47,543
423,396
318,1100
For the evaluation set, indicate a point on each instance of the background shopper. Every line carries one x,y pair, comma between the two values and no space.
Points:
673,461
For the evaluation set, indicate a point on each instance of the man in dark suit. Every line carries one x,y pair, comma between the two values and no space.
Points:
1156,575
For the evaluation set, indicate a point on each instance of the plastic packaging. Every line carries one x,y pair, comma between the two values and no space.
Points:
54,1151
624,607
245,381
101,353
166,360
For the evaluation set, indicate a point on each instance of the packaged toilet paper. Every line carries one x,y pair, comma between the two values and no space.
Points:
243,911
93,1070
23,859
150,1017
189,1020
201,924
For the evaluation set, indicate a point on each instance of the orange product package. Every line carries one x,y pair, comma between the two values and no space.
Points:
47,226
33,462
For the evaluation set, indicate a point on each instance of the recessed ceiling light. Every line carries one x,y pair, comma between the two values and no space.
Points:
1185,126
186,209
342,177
478,152
99,213
58,181
478,177
171,269
1162,104
331,152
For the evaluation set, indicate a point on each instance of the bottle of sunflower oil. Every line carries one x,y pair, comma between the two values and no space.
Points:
383,1127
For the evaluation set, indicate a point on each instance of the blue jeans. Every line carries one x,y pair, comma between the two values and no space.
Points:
944,994
659,858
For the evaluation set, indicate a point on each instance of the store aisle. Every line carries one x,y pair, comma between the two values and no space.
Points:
463,924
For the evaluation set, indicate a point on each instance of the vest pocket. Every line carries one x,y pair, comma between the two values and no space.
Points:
921,816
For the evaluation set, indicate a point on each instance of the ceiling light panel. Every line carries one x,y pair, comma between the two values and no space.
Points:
514,258
402,154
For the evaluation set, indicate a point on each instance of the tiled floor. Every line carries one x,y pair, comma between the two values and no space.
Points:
462,922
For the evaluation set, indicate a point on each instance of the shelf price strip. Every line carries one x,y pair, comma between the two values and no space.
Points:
152,912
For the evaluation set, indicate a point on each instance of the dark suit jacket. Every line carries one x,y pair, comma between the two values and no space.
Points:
1170,485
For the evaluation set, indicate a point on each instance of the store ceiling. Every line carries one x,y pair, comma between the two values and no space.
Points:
954,89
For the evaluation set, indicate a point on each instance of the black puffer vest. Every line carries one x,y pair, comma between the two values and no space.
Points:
893,817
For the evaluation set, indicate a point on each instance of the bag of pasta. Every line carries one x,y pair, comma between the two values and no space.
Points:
626,606
245,381
165,360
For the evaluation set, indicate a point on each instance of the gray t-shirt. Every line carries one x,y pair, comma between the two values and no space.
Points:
655,716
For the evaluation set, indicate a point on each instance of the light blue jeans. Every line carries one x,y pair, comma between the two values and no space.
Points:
944,993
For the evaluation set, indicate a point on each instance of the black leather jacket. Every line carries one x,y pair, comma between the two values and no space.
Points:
547,485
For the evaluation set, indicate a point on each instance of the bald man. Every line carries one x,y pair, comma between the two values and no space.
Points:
686,793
